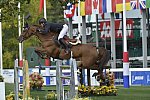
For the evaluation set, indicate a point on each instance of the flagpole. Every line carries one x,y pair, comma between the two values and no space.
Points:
1,58
79,17
45,9
125,52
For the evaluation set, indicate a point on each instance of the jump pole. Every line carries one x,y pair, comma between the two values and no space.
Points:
125,52
59,77
26,86
16,80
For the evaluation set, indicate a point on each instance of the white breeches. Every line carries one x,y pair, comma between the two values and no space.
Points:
63,31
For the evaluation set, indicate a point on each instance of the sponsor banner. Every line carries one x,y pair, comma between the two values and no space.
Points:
118,78
106,32
140,77
8,75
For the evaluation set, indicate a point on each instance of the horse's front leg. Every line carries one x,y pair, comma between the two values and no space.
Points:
41,52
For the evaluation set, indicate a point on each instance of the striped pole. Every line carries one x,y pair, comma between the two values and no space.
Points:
47,61
20,44
125,52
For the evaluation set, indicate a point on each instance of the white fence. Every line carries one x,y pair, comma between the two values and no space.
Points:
137,76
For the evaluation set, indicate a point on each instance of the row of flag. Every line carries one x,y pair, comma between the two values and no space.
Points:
89,7
107,6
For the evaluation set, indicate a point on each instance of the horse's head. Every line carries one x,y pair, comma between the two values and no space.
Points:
27,33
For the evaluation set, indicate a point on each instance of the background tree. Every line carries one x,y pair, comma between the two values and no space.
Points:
10,24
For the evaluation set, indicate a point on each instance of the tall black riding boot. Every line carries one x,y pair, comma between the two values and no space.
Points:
62,41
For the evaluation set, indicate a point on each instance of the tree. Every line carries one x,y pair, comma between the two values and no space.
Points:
10,24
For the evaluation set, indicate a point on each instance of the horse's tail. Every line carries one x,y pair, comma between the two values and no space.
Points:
104,56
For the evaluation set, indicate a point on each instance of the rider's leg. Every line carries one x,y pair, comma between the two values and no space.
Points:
62,41
61,35
63,32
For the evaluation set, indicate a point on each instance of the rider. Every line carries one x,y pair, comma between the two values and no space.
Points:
55,27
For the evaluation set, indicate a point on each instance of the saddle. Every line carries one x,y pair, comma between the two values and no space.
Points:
74,41
69,42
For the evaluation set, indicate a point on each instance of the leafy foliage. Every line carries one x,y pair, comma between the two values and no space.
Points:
10,24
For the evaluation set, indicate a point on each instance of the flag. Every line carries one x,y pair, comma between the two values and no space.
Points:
113,5
82,8
88,7
106,6
70,10
102,6
134,4
95,4
142,4
41,5
119,5
147,3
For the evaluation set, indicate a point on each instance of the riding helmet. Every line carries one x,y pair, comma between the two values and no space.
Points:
42,20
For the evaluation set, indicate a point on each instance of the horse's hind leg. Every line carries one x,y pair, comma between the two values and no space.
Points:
104,60
101,67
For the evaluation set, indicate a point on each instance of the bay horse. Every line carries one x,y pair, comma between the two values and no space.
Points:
90,57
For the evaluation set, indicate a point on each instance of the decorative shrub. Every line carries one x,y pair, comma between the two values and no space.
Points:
11,96
36,81
1,78
51,96
97,90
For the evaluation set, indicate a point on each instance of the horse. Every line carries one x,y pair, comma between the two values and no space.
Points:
90,57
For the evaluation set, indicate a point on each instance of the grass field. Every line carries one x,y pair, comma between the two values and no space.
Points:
132,93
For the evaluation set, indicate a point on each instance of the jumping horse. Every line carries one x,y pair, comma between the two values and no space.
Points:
90,57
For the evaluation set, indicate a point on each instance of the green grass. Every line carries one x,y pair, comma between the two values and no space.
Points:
34,94
132,93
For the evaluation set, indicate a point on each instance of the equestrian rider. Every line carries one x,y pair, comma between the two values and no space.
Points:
55,27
